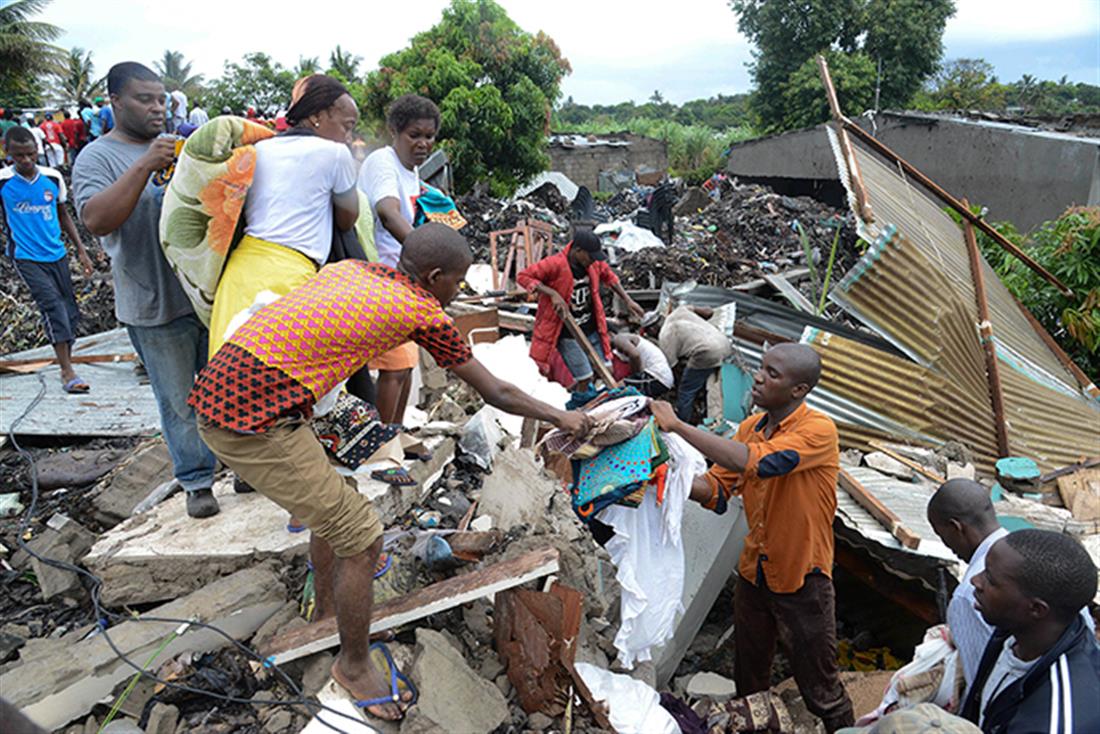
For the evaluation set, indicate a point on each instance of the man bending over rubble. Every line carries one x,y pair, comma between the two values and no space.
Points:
784,464
255,398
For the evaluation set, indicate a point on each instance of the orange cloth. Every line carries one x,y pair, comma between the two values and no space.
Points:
790,509
404,357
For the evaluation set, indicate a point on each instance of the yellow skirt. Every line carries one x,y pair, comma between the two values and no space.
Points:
254,266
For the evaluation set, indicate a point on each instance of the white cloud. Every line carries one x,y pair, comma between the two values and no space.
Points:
1003,21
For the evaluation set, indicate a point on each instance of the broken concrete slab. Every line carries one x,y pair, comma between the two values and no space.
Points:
163,719
55,689
393,502
887,465
711,686
437,597
128,483
163,554
692,201
64,540
517,492
76,468
453,696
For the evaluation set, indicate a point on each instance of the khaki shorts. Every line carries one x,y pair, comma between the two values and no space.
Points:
288,465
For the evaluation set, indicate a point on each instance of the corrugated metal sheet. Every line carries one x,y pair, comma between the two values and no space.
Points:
913,287
117,405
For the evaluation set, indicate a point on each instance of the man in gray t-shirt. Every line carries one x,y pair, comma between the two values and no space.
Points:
118,201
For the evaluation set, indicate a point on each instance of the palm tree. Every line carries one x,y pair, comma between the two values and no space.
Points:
177,75
25,46
75,78
307,65
344,63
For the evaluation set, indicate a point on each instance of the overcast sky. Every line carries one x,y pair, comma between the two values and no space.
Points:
618,51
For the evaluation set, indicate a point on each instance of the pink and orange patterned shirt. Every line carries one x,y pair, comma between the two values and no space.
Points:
297,349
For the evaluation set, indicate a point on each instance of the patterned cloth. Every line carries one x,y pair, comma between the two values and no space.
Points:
757,712
297,349
353,431
204,202
615,473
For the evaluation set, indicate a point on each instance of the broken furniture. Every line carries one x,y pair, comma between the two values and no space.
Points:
527,243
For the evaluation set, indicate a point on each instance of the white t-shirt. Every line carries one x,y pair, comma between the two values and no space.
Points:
654,362
198,117
383,176
290,202
1006,671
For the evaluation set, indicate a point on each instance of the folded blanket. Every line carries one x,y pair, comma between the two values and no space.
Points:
204,202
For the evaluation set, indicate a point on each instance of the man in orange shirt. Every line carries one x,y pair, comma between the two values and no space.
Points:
784,464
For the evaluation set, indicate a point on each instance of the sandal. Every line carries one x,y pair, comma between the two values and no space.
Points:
399,682
76,386
397,476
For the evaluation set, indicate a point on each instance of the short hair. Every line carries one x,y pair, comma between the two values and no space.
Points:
964,500
435,245
315,93
1055,568
18,135
408,108
803,360
67,114
121,74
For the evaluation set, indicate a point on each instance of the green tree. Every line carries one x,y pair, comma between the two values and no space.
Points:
803,96
495,85
344,64
902,37
259,82
25,50
75,79
175,72
963,84
307,65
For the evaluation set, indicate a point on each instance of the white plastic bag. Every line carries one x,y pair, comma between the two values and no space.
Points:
633,707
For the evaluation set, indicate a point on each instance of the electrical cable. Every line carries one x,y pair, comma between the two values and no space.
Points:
103,615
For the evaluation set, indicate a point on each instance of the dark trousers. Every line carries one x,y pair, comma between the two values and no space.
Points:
691,382
805,624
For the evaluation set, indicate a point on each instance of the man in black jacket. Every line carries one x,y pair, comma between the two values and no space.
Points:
1041,670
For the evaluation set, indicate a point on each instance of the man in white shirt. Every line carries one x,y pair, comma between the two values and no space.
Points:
198,116
178,108
649,369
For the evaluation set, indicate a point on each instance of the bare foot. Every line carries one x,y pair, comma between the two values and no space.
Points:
370,684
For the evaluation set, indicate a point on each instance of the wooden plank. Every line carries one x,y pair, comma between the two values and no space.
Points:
858,188
33,365
985,332
914,465
883,514
416,605
601,369
792,294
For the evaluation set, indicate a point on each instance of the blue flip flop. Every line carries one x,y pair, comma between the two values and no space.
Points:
397,679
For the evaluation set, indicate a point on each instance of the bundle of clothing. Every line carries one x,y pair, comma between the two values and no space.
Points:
629,485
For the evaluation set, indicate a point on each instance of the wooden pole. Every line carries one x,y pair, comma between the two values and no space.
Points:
883,514
955,204
985,332
845,143
597,361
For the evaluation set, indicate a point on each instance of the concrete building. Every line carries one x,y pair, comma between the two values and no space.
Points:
584,157
1020,174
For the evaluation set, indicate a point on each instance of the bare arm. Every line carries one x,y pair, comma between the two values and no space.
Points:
69,227
724,452
389,213
106,211
635,310
553,295
510,399
346,206
625,344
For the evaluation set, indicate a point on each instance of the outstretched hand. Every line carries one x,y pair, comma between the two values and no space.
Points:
575,423
665,415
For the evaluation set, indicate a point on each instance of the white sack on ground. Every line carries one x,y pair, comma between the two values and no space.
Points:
633,707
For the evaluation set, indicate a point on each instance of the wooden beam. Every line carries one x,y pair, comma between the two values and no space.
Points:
914,465
598,365
858,188
955,204
985,333
883,514
33,365
905,594
437,597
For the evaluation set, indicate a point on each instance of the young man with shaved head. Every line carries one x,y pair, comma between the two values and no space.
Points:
256,396
783,463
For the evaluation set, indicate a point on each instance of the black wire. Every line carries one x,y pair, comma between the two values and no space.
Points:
102,615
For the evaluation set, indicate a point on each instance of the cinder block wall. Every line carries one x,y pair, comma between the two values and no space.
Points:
584,164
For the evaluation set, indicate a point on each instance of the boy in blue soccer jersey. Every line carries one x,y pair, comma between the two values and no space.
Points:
33,199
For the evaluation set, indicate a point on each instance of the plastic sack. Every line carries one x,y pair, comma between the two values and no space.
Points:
633,707
481,437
